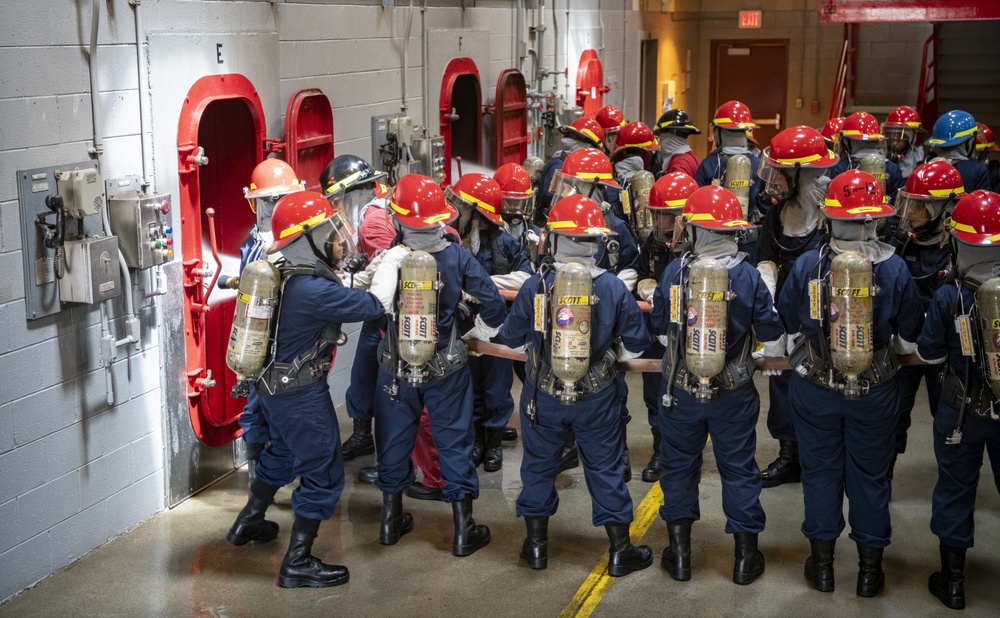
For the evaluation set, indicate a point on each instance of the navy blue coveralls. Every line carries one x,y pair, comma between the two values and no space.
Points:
730,418
954,498
448,399
894,180
712,171
653,258
975,175
492,376
782,250
254,425
543,201
929,265
305,436
595,419
847,445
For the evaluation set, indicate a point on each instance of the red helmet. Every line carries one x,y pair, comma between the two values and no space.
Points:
518,194
929,190
272,177
585,130
294,214
984,138
856,195
976,219
903,117
579,216
734,115
635,138
831,130
799,146
417,202
610,117
671,192
862,126
715,208
933,180
583,171
475,192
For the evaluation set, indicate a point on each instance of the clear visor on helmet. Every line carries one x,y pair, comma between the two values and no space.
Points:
466,210
777,180
564,185
611,138
897,139
667,224
515,208
919,214
334,237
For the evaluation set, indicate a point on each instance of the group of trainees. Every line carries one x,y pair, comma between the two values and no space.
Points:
779,250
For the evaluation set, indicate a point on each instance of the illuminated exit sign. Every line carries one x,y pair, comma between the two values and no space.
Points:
750,19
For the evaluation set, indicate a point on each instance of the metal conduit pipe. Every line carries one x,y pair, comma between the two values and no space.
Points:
624,57
95,19
140,61
406,54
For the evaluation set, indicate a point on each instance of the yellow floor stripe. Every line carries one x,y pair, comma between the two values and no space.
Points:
597,583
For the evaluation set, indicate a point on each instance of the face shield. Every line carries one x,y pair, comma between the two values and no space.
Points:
466,211
920,218
610,138
564,185
897,139
779,182
667,224
517,209
333,241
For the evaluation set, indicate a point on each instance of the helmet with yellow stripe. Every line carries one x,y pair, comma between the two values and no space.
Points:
307,214
587,172
976,219
475,193
635,138
734,115
856,195
790,150
985,142
417,202
930,189
952,129
715,208
577,216
518,193
585,130
667,198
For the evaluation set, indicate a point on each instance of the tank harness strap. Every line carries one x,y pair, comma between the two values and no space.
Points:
314,364
737,372
501,263
599,376
444,363
811,365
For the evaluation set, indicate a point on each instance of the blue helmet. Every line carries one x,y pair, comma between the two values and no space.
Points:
953,128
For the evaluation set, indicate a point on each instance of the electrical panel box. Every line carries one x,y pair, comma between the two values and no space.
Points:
82,191
92,273
383,150
403,128
143,229
429,151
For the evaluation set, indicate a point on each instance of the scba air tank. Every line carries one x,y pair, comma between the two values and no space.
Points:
707,316
874,164
738,179
255,304
851,292
418,285
988,302
571,322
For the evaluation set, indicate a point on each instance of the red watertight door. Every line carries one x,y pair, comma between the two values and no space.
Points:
309,135
590,86
511,118
461,113
220,138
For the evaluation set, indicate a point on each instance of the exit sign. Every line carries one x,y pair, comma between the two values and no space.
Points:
750,19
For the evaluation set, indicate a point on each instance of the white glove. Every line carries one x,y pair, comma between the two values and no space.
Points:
769,273
386,277
512,281
645,289
469,298
902,346
622,355
664,340
481,331
791,340
774,349
629,277
531,238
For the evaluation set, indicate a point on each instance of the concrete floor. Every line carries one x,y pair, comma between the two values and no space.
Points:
179,563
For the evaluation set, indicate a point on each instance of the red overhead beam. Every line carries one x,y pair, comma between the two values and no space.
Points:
861,11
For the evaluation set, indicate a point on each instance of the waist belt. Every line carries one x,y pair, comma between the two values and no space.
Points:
598,377
979,402
442,364
280,378
736,373
812,366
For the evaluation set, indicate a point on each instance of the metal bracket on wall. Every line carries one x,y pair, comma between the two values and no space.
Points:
41,287
380,128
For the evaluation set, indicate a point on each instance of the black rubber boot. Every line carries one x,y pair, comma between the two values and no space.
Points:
948,584
300,569
509,433
368,475
570,456
419,491
395,523
819,565
749,561
361,441
468,536
250,524
254,450
536,545
871,577
784,469
478,444
676,558
493,457
653,471
624,557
